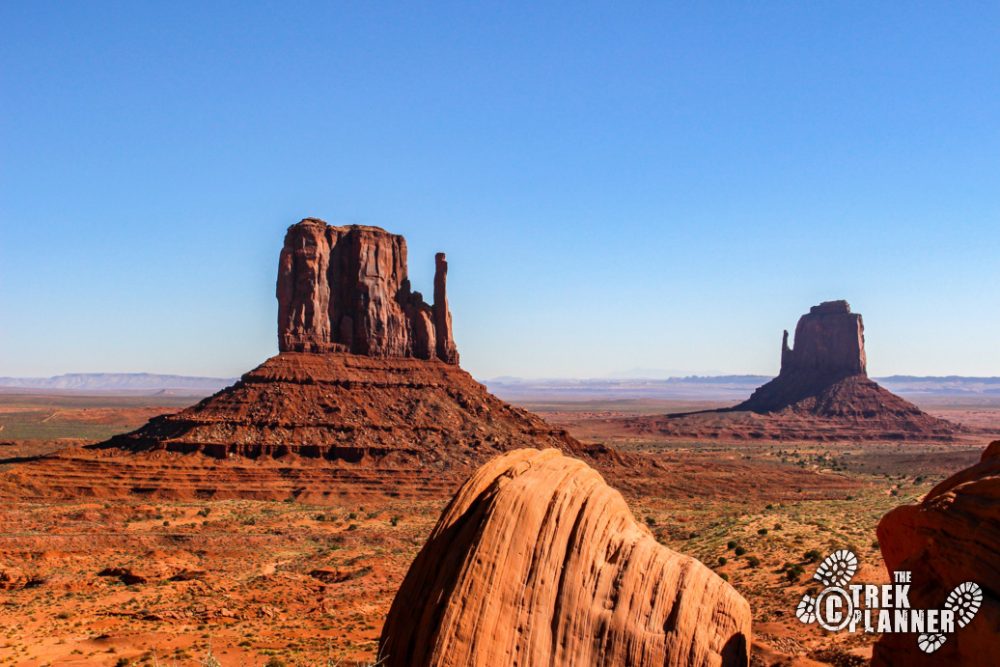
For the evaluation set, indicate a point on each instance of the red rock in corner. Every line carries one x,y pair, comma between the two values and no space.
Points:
537,561
345,289
952,536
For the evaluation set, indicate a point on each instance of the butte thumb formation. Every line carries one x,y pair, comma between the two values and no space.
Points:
365,395
822,392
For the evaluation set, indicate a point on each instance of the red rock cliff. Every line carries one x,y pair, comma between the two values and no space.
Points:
345,289
829,340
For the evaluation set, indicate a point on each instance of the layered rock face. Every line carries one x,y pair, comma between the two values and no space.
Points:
345,289
537,561
352,409
951,537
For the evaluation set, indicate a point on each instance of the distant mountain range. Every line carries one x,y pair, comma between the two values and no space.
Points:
692,387
719,387
123,383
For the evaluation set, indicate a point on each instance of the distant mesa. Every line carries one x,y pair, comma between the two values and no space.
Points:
537,561
345,289
826,374
822,392
829,347
949,538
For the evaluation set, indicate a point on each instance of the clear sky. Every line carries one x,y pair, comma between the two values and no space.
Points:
617,185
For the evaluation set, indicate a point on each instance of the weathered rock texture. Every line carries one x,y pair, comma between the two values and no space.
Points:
950,537
536,561
345,289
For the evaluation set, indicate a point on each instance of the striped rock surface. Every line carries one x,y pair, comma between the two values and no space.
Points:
537,561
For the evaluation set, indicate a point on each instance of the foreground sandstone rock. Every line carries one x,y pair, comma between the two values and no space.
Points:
951,537
537,561
345,289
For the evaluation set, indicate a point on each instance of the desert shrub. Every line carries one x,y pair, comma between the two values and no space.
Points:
395,520
274,661
778,526
723,560
753,561
725,577
739,551
812,555
794,573
762,531
650,521
731,544
875,544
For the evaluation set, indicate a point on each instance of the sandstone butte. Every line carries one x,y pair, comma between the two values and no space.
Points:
345,289
952,536
365,396
821,392
537,561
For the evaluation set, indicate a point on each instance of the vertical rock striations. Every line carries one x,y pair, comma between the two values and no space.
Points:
345,289
537,561
951,537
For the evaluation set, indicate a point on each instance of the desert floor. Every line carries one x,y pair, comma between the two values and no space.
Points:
113,582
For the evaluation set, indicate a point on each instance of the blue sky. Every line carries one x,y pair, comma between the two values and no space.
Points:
617,185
